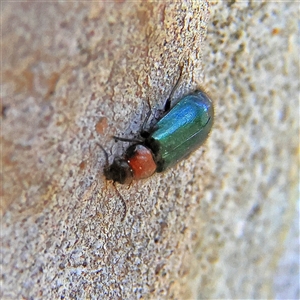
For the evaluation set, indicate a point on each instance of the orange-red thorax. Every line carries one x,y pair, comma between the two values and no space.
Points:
142,162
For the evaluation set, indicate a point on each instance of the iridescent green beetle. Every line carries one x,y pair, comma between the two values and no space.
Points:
181,130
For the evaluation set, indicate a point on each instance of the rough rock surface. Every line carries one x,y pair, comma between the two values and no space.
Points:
214,226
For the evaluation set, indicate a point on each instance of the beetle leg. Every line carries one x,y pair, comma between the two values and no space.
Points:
144,133
117,138
168,102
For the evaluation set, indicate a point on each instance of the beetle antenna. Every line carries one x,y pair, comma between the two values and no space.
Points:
123,203
114,184
105,153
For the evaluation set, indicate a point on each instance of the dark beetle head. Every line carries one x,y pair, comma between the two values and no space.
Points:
118,171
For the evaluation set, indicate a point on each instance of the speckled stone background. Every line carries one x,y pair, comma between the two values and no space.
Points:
221,224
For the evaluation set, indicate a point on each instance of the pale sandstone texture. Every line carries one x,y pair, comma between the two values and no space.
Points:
214,226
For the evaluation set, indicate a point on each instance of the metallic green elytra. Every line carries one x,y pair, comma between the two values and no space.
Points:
183,129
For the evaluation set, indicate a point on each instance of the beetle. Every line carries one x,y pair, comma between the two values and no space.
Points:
182,129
